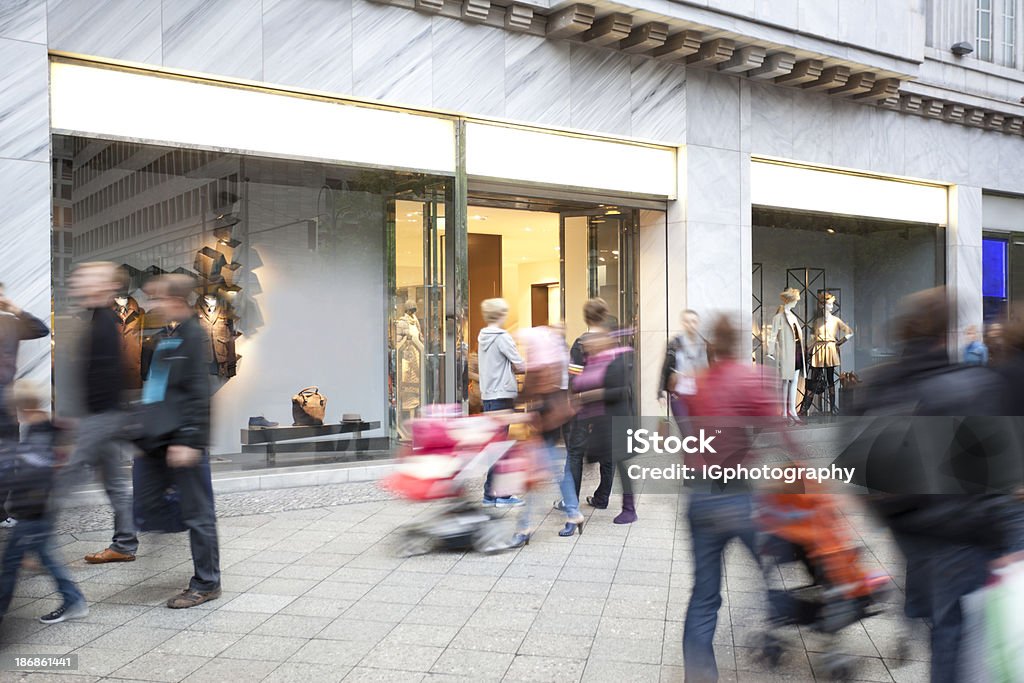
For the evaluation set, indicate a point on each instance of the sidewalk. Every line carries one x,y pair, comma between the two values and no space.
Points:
314,592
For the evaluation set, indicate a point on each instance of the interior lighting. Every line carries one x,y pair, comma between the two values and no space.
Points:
827,191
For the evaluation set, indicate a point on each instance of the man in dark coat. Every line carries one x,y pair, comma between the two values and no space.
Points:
176,433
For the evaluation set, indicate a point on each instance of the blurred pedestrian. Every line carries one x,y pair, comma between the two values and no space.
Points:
595,315
499,363
606,386
949,541
729,388
16,326
546,388
685,357
30,472
976,353
176,433
99,439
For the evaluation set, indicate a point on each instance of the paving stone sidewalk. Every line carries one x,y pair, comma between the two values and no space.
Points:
315,592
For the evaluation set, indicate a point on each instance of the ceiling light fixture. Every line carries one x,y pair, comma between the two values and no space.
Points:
830,231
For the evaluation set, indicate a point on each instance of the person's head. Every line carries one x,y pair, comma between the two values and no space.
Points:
595,312
828,301
169,296
94,284
789,297
923,317
725,338
410,307
494,311
690,321
25,397
971,333
600,341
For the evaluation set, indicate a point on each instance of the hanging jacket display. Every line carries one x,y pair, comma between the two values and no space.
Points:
130,319
219,322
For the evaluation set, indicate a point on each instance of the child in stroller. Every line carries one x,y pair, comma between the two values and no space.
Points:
803,524
448,449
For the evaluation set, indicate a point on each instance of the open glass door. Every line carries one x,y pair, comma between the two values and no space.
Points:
418,344
599,260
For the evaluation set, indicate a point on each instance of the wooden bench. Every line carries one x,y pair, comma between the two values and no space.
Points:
298,439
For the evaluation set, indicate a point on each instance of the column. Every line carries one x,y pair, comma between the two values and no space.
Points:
25,174
653,307
963,262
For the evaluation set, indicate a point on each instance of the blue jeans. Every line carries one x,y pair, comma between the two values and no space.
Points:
714,521
491,405
558,468
34,536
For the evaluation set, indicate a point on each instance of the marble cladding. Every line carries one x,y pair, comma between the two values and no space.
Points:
25,105
654,314
214,36
23,20
25,253
119,29
319,56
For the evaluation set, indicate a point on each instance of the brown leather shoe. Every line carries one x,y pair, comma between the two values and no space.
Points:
108,555
190,598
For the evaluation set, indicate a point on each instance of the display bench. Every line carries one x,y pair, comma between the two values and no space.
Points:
275,440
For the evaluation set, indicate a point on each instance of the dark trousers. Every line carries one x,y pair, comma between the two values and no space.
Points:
600,449
34,536
576,449
195,492
714,521
491,405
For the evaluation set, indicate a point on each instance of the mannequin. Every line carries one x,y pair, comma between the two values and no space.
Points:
825,358
786,349
218,319
130,322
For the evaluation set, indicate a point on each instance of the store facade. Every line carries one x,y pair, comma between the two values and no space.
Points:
375,156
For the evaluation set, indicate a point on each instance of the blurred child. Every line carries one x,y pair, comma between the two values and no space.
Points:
30,469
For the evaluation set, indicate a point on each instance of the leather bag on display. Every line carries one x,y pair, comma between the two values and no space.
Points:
309,407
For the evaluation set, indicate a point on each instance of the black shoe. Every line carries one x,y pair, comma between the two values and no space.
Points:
260,422
591,503
65,612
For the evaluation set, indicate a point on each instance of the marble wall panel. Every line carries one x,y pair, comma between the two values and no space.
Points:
468,67
675,266
714,269
25,104
23,20
983,150
771,120
713,109
819,17
935,150
851,126
600,90
308,43
391,54
778,12
658,100
214,36
857,21
812,128
654,313
537,80
885,142
25,253
119,29
713,192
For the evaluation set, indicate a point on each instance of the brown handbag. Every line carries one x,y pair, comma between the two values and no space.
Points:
308,407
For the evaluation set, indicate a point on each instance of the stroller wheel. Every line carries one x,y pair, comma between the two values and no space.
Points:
771,651
839,667
414,542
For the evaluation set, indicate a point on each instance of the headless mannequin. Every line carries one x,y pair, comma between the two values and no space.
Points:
789,384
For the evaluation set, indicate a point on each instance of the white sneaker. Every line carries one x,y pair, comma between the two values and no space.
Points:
9,523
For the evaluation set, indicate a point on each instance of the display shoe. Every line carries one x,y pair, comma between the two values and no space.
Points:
260,422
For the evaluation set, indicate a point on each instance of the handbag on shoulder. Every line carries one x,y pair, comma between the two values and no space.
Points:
309,407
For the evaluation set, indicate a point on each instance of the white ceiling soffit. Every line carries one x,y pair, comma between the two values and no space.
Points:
494,151
824,191
87,100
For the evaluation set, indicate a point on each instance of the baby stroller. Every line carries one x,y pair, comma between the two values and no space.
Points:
809,529
447,450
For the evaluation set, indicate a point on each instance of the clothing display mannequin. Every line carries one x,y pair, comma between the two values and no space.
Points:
830,332
409,344
218,319
130,320
786,349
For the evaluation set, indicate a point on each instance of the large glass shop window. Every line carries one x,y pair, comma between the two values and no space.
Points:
291,262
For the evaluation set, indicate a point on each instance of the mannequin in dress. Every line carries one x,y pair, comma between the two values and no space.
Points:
786,349
830,332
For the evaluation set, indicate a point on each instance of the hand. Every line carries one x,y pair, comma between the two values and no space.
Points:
662,402
182,456
8,306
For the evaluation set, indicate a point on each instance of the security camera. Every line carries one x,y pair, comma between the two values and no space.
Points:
962,48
